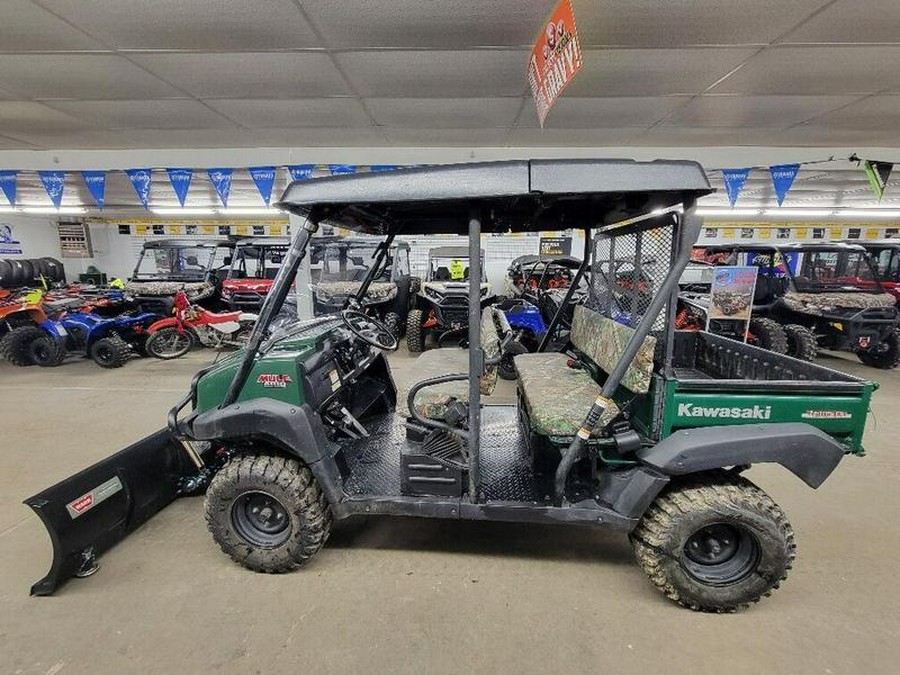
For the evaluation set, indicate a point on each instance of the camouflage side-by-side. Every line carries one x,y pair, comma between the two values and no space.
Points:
556,397
603,340
195,290
379,291
812,303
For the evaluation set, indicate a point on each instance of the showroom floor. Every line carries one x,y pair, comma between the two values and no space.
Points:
400,595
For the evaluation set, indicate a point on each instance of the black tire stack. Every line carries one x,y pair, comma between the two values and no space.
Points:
16,272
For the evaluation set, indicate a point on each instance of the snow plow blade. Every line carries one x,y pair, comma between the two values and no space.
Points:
96,508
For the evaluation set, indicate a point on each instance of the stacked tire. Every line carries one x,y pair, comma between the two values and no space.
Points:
16,272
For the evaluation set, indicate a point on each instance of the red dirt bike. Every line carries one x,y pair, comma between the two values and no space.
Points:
191,324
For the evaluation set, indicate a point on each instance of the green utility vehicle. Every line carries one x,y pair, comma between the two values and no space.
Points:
641,429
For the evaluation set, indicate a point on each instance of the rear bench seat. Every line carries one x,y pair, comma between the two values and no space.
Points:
557,398
432,402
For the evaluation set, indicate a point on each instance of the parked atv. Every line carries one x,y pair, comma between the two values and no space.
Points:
304,426
804,289
441,307
885,257
166,266
20,319
191,325
253,268
346,263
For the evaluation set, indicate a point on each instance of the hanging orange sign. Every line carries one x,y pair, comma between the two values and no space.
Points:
555,59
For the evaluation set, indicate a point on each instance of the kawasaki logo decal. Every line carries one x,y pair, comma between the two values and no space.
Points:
90,499
757,412
826,415
274,380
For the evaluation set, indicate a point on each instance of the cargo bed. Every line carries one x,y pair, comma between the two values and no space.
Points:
717,381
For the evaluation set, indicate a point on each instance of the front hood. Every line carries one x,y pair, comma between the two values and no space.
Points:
452,287
196,290
379,291
818,303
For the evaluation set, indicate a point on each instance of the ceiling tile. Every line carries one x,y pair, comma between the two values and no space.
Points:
188,138
571,137
436,138
14,144
437,74
443,113
248,75
303,112
677,23
571,112
816,70
197,24
78,76
753,111
846,22
653,72
703,137
61,139
874,113
167,114
25,27
442,25
318,137
256,138
25,116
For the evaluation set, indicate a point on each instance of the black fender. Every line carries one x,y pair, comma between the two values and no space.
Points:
295,429
805,451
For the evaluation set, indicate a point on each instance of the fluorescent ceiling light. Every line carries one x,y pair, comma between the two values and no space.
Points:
250,212
63,210
795,213
727,212
183,212
867,213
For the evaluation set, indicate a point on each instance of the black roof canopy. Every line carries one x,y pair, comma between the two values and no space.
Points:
518,195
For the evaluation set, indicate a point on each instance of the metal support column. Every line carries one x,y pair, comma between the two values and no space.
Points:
476,356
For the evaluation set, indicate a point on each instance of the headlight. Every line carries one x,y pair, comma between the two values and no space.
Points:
433,294
227,292
323,296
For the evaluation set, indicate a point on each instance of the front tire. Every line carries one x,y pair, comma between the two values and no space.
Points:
392,323
769,335
888,357
267,513
716,543
415,340
110,352
801,341
168,343
14,345
46,351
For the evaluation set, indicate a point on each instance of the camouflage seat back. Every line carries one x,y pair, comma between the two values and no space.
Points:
603,340
490,343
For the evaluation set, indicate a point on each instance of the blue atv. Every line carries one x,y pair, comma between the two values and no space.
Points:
110,342
527,326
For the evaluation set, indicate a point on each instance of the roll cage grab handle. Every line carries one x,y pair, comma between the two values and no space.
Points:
690,230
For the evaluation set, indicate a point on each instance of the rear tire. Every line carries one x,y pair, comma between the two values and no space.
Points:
507,367
110,352
769,335
46,351
887,359
14,345
415,340
714,543
267,513
168,343
801,341
392,323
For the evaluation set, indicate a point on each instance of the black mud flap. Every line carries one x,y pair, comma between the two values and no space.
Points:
93,510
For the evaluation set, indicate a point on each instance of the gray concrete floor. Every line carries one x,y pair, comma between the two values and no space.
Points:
418,596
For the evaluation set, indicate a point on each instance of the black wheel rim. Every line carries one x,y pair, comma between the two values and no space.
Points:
260,519
40,351
104,354
172,343
720,554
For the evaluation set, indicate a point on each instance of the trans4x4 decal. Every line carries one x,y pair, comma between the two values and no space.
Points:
274,380
757,412
826,415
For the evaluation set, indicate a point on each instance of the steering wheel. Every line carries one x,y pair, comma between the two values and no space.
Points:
369,330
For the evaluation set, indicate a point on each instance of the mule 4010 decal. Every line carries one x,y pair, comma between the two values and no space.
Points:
274,380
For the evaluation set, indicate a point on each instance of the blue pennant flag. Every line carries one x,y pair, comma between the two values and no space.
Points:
96,185
341,169
301,171
383,167
8,185
734,183
54,183
264,177
783,176
140,181
221,180
181,182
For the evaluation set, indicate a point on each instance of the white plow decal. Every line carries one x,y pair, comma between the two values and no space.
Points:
90,499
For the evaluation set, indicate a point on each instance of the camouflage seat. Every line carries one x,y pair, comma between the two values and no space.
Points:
432,402
556,397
